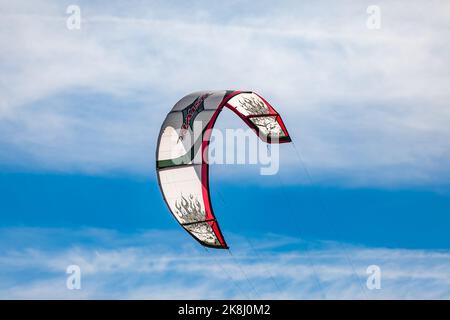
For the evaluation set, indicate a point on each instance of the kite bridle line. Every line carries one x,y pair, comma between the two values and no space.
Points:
266,269
323,210
307,249
227,274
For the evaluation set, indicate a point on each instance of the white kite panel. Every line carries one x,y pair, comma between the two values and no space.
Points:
249,104
182,189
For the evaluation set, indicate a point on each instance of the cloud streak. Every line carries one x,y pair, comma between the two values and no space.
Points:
165,265
366,106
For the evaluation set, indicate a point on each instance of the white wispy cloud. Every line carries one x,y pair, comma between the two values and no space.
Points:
363,105
167,265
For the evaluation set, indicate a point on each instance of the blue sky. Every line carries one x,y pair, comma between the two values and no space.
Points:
367,109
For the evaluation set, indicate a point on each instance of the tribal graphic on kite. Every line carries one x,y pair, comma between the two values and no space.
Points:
182,164
190,112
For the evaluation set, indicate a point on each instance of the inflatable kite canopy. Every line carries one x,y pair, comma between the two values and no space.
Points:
182,154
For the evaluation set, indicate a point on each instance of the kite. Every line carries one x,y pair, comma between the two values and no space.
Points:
182,154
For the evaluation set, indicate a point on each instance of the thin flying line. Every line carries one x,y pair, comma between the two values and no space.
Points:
308,256
349,261
227,274
278,288
244,273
